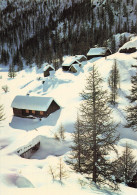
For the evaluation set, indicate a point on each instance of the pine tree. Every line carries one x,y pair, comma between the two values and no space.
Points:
12,72
125,13
126,165
17,60
132,109
113,45
4,57
99,133
121,41
114,80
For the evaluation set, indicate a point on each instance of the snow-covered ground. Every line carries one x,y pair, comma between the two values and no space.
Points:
21,176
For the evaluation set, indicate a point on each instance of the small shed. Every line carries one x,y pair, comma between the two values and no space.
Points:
47,70
33,106
81,58
98,52
68,63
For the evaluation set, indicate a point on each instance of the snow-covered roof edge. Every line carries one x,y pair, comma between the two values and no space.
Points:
97,51
36,103
70,62
48,66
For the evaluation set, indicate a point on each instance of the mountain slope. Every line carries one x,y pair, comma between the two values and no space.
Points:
65,87
45,31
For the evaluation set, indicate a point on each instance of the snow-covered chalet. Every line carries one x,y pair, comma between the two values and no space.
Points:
98,52
34,106
47,70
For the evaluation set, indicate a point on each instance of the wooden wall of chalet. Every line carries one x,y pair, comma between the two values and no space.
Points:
72,69
22,112
65,68
108,52
17,112
52,108
94,56
47,72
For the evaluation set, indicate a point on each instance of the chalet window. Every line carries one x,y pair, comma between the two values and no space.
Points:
41,113
27,111
33,111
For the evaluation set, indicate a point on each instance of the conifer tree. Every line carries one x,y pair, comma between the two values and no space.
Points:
4,57
77,158
11,72
132,108
126,165
114,80
99,132
113,45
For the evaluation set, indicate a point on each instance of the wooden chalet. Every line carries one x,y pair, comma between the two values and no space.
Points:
47,70
66,66
34,106
98,52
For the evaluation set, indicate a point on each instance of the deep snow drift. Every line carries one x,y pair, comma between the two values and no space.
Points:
31,176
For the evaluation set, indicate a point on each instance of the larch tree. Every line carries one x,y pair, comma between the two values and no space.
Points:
62,174
126,165
114,81
61,132
132,108
76,159
99,132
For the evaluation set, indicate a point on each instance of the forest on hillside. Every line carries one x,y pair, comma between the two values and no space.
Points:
44,31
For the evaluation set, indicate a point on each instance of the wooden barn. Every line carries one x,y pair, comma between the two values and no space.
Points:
34,106
98,52
47,70
66,66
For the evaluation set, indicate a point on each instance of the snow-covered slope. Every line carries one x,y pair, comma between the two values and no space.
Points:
19,176
130,44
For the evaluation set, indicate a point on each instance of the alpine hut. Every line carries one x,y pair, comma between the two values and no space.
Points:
66,66
33,106
47,70
98,52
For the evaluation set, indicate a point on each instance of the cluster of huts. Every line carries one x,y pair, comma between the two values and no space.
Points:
36,106
73,64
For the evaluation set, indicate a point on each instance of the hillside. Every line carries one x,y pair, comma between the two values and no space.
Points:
20,175
44,31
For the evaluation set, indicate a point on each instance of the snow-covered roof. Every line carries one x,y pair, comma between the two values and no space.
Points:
78,57
47,67
130,44
32,102
76,66
97,51
70,61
